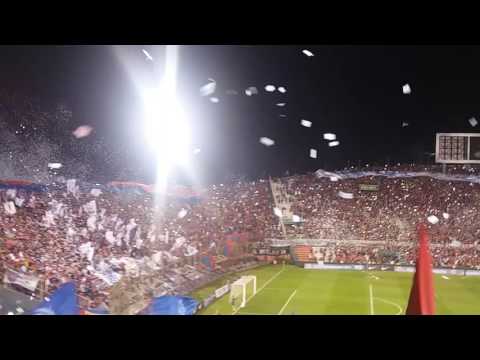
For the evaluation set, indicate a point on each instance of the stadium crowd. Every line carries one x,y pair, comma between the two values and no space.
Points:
99,237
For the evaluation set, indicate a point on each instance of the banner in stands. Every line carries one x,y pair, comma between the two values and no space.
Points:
26,281
222,291
368,187
26,185
335,266
171,305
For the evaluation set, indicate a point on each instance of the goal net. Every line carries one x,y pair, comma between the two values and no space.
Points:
242,290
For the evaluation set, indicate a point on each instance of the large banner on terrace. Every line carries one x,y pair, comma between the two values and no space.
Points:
28,282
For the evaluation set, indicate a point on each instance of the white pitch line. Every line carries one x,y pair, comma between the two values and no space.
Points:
400,310
289,299
372,311
263,287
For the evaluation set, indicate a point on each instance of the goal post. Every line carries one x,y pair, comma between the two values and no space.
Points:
241,290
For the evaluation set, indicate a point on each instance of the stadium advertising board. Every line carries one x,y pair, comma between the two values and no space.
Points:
209,300
368,187
472,272
404,268
334,266
449,271
457,148
26,281
380,267
222,291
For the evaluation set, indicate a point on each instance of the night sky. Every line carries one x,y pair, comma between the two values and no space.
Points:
352,91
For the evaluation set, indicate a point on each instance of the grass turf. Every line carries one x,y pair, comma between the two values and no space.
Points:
293,290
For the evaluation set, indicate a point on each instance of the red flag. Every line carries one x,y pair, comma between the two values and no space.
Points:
422,295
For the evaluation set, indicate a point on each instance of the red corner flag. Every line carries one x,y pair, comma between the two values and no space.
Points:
422,295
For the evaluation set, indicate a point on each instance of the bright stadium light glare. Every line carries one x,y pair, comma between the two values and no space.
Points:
166,127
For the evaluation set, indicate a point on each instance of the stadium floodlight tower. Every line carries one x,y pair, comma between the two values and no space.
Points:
457,148
240,289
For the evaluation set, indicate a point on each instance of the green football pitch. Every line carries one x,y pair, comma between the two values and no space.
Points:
287,290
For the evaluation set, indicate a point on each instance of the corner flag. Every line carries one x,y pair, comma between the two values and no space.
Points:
422,294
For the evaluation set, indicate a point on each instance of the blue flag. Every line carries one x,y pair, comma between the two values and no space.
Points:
171,305
63,301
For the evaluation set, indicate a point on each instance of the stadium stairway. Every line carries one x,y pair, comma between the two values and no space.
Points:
302,254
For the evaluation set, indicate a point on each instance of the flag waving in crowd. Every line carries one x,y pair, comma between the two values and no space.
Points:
422,294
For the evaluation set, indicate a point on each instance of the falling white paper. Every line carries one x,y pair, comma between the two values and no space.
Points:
270,88
10,313
306,123
214,100
196,151
334,143
333,178
20,310
252,90
281,104
283,115
446,216
282,90
277,212
329,137
307,52
149,57
432,219
182,213
313,153
82,131
54,165
406,89
296,218
266,141
473,121
208,89
95,192
445,277
345,195
404,124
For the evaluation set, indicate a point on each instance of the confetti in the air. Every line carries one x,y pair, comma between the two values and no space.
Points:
20,310
266,141
277,212
307,52
10,313
82,131
214,100
406,89
404,124
296,218
47,299
306,123
432,219
252,90
446,216
149,57
333,178
333,143
345,195
54,165
313,153
196,151
270,88
182,213
283,115
281,104
208,89
473,121
282,90
329,137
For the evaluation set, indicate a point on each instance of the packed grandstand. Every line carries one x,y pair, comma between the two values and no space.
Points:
121,249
